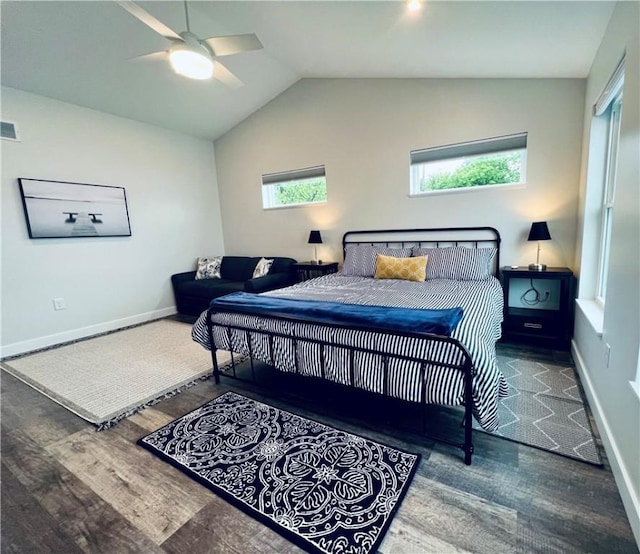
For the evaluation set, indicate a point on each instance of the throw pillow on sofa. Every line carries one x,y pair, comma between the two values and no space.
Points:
209,268
262,268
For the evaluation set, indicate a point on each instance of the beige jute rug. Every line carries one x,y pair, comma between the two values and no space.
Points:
108,377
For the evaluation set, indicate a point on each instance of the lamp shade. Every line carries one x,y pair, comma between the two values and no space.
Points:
315,238
539,231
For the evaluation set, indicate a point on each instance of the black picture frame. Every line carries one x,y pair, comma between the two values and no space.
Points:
62,209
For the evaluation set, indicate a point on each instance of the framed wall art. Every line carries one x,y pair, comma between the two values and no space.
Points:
58,209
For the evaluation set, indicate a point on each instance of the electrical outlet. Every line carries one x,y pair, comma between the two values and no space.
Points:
59,304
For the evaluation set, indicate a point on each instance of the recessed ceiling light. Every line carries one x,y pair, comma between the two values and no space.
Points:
414,5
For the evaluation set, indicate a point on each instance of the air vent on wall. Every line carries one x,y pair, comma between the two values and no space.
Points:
8,130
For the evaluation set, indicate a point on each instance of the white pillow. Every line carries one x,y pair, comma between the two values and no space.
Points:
262,268
209,268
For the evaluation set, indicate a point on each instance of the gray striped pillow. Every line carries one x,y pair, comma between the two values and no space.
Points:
360,259
457,262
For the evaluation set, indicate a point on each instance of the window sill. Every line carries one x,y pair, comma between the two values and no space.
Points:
467,189
299,205
594,313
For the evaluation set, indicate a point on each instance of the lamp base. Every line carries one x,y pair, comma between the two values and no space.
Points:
537,267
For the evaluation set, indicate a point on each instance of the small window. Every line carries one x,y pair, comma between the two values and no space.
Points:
481,163
298,187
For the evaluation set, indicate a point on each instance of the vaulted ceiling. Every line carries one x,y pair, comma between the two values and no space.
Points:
80,51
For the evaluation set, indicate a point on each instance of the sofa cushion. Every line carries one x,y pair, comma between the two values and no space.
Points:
209,288
269,282
238,268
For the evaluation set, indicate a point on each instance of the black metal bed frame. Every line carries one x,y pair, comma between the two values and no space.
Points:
456,236
475,237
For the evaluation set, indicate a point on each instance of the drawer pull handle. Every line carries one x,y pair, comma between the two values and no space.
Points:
533,325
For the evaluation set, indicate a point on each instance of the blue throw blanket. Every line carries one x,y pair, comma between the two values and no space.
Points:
437,322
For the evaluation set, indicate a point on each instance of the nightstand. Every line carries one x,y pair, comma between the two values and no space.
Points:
309,270
538,306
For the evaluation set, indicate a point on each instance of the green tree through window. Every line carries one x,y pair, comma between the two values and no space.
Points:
469,165
295,187
485,170
301,192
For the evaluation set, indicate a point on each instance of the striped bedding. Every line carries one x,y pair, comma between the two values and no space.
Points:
478,332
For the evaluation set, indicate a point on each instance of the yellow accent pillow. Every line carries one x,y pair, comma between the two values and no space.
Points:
410,269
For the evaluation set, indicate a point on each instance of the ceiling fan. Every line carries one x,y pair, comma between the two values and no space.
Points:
190,56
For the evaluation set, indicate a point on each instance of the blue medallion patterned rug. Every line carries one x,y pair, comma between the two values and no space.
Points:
326,490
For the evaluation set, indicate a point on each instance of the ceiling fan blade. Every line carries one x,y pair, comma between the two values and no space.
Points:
148,19
233,44
152,57
221,73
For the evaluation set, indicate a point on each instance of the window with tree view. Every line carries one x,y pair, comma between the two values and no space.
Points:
294,188
481,163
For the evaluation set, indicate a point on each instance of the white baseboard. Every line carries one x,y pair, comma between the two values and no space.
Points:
50,340
630,499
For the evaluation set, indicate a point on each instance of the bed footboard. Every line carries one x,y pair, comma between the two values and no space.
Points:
242,336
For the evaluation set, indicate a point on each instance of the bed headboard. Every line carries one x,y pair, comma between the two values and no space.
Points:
470,237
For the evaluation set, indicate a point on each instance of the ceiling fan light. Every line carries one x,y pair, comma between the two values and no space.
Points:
191,64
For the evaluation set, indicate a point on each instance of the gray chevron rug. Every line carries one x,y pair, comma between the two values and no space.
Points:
545,409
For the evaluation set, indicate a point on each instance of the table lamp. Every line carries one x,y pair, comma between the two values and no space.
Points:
315,239
539,231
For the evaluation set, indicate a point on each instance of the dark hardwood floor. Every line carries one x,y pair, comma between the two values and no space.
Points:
67,488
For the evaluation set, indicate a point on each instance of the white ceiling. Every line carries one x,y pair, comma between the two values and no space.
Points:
79,51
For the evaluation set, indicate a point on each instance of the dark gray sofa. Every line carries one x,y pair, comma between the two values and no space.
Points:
193,296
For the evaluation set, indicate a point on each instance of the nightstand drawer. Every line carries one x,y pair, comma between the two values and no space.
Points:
533,326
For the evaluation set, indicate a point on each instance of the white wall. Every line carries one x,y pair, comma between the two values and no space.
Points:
612,397
363,131
172,195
